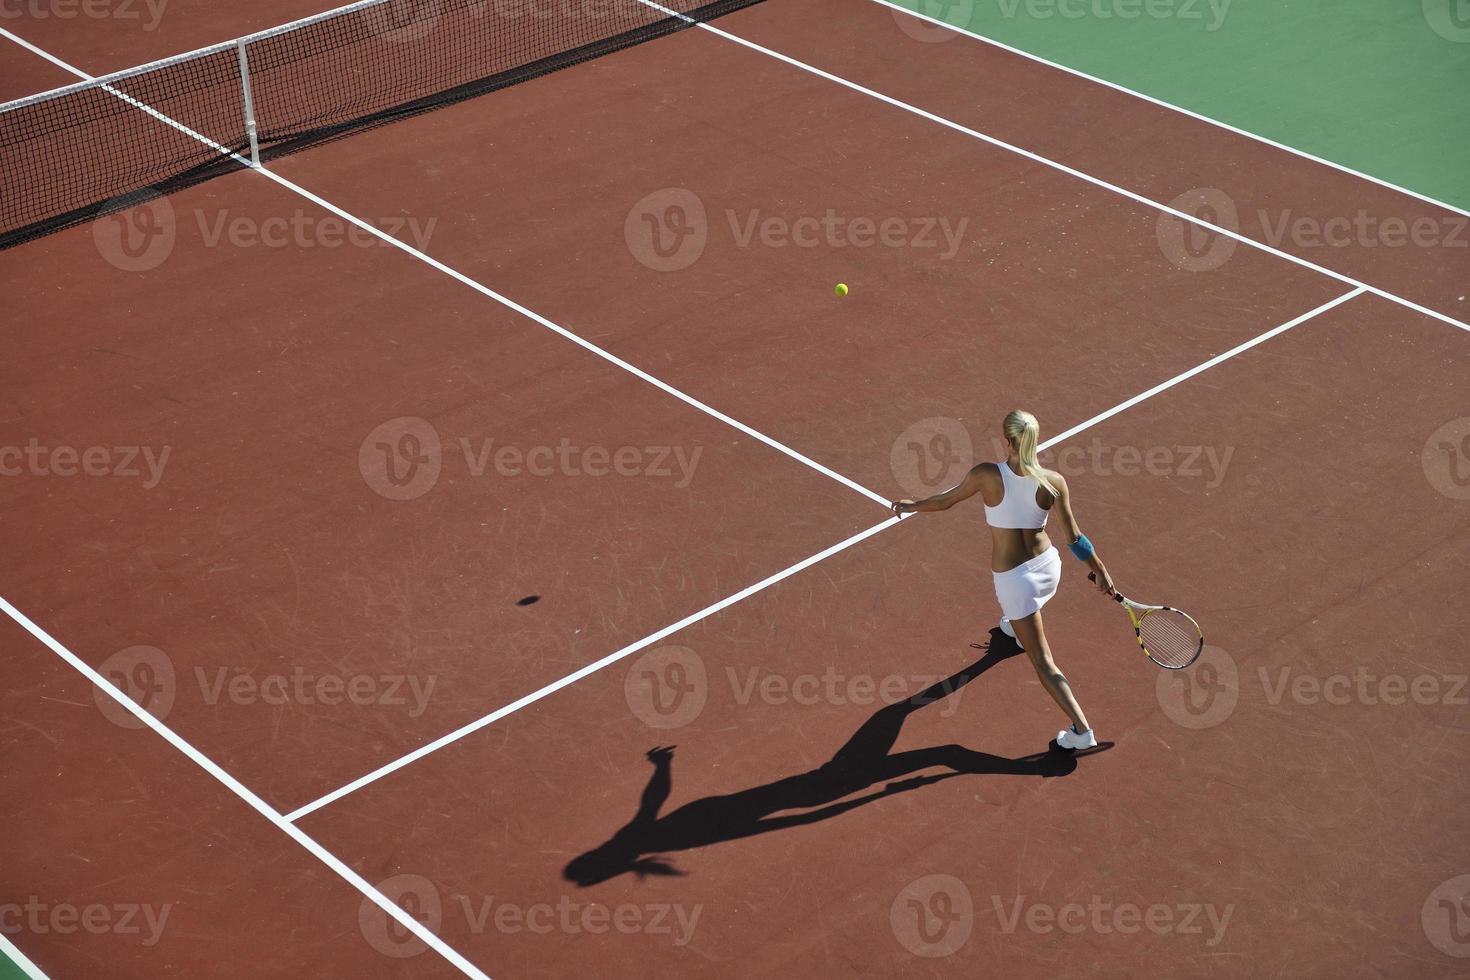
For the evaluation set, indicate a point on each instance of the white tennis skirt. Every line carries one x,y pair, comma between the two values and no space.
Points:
1026,588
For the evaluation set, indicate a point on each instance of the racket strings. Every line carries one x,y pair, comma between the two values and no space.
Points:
1169,637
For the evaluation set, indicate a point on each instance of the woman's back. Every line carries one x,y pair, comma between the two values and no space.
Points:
1016,508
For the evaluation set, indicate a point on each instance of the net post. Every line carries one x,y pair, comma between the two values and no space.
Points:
249,103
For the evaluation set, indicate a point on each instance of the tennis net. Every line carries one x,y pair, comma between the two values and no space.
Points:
78,152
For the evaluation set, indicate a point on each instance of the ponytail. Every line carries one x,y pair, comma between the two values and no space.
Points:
1022,431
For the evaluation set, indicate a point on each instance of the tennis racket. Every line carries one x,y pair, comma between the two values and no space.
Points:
1170,638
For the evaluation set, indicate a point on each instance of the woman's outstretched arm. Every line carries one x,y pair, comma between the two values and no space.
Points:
967,487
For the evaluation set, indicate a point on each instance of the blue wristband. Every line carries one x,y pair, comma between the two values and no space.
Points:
1081,548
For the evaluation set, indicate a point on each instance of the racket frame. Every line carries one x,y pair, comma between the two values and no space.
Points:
1137,620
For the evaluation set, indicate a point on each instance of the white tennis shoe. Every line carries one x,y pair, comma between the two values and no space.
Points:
1070,738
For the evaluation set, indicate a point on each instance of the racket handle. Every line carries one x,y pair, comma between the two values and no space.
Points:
1117,596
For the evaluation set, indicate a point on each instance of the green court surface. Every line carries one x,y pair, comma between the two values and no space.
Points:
9,971
1371,85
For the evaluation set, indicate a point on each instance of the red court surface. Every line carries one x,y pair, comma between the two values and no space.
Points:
1243,822
22,73
117,824
1314,792
751,327
272,524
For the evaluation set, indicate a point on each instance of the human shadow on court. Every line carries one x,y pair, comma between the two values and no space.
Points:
863,761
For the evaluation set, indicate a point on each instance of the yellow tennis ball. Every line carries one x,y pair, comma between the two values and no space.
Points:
840,289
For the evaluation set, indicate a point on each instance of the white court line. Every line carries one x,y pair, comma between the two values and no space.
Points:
31,970
579,341
854,86
239,789
194,754
745,593
472,283
1179,109
286,823
1123,406
618,655
1062,167
591,668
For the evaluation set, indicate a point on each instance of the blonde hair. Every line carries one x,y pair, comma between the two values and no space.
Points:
1022,431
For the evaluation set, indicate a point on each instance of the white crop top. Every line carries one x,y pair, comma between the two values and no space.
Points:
1018,508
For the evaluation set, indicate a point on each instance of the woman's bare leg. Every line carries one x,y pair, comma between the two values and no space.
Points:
1032,638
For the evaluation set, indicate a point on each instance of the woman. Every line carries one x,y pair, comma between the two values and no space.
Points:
1019,495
